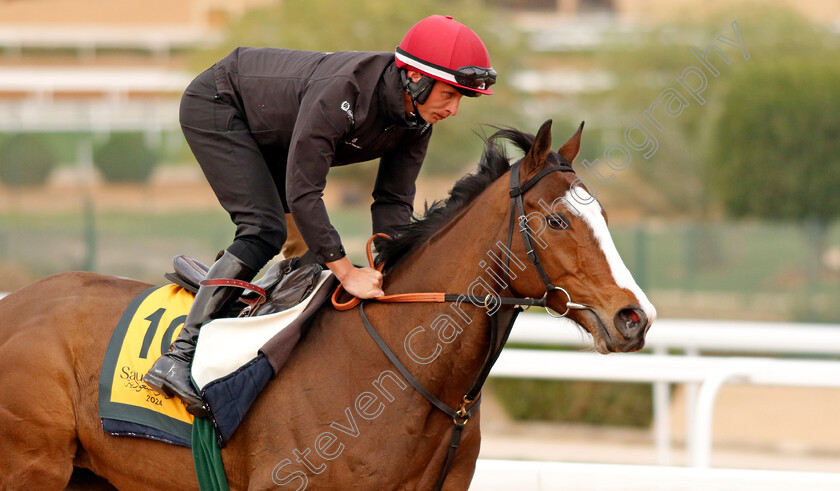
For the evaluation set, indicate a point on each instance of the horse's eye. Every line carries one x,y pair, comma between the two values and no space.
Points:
556,222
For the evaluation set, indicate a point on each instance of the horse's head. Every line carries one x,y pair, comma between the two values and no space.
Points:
581,268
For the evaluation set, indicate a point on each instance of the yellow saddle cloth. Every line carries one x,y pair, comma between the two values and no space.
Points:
127,406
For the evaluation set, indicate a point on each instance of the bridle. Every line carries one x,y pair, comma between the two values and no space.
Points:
498,335
517,208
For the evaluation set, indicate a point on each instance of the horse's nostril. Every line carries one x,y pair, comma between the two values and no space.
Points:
629,319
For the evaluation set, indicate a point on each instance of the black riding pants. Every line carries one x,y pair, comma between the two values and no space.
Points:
236,168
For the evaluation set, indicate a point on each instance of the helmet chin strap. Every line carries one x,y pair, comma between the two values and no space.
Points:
418,91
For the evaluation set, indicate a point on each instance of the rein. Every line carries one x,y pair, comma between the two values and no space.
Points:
424,297
427,297
498,335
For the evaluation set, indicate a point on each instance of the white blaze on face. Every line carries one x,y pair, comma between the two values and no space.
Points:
590,212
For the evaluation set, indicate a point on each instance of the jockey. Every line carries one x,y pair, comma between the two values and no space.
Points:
267,124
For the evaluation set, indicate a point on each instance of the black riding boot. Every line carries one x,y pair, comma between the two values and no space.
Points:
171,372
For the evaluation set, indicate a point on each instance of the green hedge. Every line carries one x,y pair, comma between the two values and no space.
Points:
599,403
26,160
125,157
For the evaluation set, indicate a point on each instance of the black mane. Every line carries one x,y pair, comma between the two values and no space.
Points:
494,164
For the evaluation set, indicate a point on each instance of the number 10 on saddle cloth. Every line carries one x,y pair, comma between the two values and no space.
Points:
127,406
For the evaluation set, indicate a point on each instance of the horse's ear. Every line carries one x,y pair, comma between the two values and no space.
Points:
535,160
570,149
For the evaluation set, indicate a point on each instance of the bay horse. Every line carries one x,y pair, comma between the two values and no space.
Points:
338,416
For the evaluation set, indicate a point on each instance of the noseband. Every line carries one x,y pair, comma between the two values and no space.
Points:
472,398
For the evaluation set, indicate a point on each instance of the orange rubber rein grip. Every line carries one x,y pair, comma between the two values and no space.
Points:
432,297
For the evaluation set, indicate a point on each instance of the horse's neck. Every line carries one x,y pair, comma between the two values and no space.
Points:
454,260
341,369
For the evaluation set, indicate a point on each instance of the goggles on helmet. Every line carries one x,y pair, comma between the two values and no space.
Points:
475,77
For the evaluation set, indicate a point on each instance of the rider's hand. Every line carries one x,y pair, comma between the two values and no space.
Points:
359,282
363,283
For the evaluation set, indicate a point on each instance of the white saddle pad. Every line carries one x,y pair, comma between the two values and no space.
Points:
224,345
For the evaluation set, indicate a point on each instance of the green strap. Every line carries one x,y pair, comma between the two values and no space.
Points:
207,457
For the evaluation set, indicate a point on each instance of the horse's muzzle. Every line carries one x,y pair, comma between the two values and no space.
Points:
632,323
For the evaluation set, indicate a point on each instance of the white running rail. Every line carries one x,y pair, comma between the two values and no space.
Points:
504,475
703,375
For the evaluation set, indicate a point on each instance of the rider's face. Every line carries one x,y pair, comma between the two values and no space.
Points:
442,103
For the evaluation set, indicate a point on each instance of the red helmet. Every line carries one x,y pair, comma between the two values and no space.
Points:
446,50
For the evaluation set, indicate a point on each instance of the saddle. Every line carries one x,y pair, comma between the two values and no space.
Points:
286,284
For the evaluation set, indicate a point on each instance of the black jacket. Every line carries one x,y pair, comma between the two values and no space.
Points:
311,111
